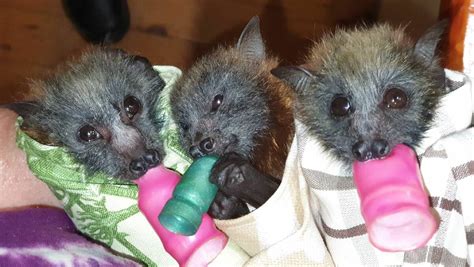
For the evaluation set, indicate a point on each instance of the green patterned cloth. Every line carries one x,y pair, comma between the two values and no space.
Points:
105,208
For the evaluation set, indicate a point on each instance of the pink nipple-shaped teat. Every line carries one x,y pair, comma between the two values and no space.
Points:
155,188
394,204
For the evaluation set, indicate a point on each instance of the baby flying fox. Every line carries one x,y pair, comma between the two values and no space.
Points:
101,107
228,104
363,91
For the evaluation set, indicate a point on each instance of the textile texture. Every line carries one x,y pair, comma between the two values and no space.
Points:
47,237
105,208
314,217
446,162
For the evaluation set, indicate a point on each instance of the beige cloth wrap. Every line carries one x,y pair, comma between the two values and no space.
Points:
317,201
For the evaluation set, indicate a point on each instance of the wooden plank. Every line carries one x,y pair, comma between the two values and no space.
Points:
52,8
37,38
35,35
206,20
14,80
453,47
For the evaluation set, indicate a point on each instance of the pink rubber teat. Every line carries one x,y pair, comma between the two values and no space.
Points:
155,188
394,204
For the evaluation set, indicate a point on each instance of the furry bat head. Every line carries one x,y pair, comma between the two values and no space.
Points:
361,92
224,102
101,107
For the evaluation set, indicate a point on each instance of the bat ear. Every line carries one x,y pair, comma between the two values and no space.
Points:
142,61
24,109
297,77
145,65
251,42
31,128
425,47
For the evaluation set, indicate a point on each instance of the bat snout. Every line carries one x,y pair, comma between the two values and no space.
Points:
150,159
367,150
204,147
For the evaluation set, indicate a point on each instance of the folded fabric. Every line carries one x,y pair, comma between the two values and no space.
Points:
317,193
47,237
282,231
105,208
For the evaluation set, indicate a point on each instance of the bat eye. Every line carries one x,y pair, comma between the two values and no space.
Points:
395,98
340,106
132,106
216,103
88,133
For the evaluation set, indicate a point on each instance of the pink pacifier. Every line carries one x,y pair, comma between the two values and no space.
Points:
394,204
155,189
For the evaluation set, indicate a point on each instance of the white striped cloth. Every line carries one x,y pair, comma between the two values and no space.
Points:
284,232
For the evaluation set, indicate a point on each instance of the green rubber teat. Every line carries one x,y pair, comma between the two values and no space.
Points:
192,197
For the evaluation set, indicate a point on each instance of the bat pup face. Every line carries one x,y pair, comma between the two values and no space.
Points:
102,109
219,103
364,91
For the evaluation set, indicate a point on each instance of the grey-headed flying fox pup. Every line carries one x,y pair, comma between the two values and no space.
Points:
228,104
101,107
362,91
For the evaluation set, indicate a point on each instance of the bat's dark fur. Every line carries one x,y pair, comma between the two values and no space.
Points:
361,65
254,119
91,91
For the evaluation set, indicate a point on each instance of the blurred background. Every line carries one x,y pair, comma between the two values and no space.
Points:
36,35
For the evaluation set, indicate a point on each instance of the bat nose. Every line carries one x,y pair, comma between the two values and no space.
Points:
138,167
363,151
195,152
152,158
360,150
207,145
380,148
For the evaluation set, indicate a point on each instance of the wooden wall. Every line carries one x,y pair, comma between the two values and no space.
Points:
35,35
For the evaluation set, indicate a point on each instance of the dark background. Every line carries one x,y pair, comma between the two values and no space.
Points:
36,35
